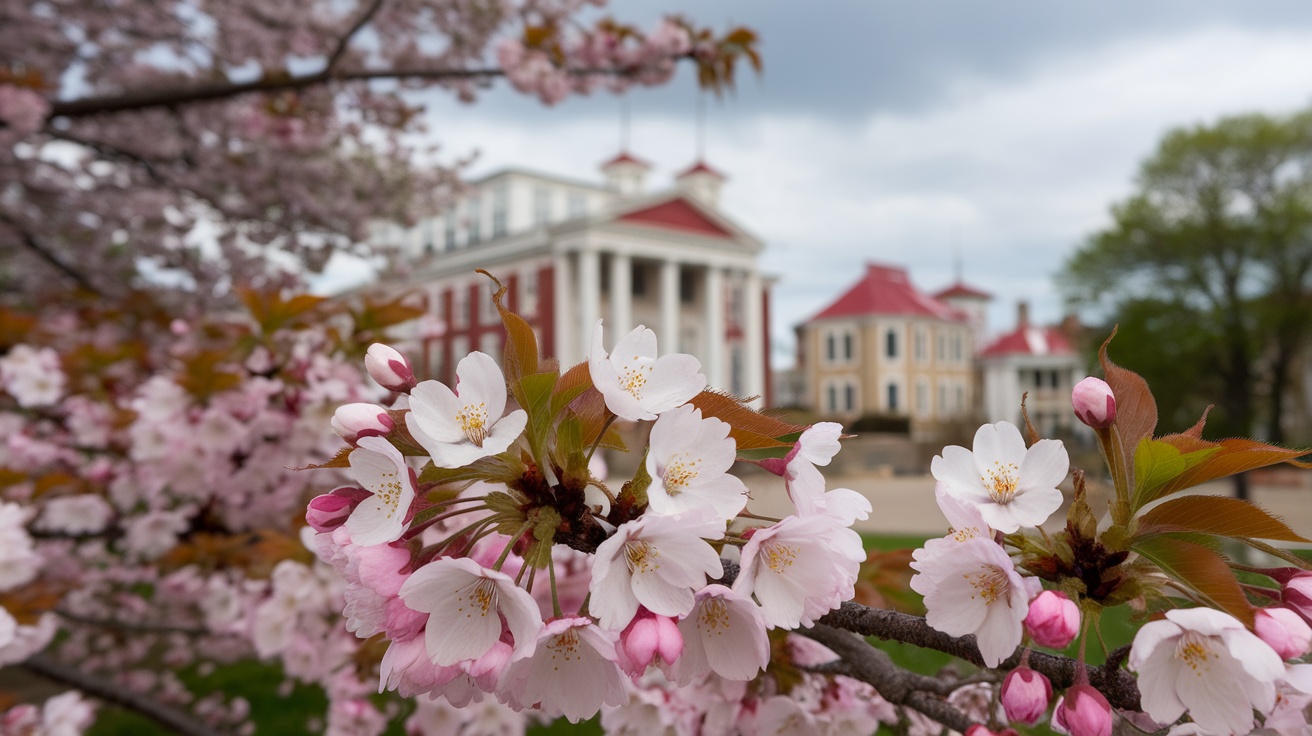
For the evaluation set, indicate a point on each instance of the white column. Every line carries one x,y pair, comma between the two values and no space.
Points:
621,295
563,315
754,336
713,365
668,337
589,292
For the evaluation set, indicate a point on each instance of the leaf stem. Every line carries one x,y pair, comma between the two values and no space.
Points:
519,534
555,599
600,435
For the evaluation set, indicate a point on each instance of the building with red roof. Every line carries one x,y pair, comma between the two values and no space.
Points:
1034,361
885,348
573,252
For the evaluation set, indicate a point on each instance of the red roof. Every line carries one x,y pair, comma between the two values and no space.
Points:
887,290
700,167
1027,340
625,158
960,289
677,214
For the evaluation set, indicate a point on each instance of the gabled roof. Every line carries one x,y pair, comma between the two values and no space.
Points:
677,214
963,290
701,167
624,157
887,290
1029,340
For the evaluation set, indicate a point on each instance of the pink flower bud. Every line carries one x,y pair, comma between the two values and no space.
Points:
1053,619
1083,712
353,421
1025,695
389,368
1094,403
329,511
649,637
1297,595
1284,630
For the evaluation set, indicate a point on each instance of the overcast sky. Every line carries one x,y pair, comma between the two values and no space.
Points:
894,131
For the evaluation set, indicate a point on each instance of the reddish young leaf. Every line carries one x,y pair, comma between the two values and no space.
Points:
341,460
1220,515
1232,456
521,343
1200,569
751,429
1136,410
571,385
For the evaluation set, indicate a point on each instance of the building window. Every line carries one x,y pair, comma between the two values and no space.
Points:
449,224
687,287
430,244
487,309
957,353
892,397
833,398
541,206
490,343
941,354
918,345
849,397
961,399
922,399
500,210
578,204
475,220
528,292
459,348
942,399
460,299
737,384
638,280
831,347
890,344
847,346
840,346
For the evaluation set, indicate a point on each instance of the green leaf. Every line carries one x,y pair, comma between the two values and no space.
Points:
534,396
1232,456
633,495
503,503
1201,569
545,521
502,468
1136,411
1220,515
1156,464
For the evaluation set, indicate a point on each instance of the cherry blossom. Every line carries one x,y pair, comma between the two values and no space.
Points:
381,470
657,562
572,673
975,589
461,426
1207,663
688,460
800,569
1012,486
725,634
636,384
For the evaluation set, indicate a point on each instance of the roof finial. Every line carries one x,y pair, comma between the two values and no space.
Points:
701,125
624,123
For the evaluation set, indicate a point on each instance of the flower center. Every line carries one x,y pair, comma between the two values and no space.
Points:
473,422
641,557
634,378
565,646
964,533
1194,650
714,616
480,598
1001,482
389,490
679,474
778,557
990,583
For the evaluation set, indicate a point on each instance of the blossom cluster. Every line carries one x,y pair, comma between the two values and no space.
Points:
500,565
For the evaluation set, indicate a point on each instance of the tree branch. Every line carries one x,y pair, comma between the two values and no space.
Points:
860,661
166,716
345,40
1119,686
50,257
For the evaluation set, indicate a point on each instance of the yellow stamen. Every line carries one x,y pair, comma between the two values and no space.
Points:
778,557
1194,650
479,598
679,474
990,583
1002,482
714,616
474,423
634,378
641,557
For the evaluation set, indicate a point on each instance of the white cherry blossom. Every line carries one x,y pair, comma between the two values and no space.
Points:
380,469
636,384
572,673
1207,663
971,587
469,608
655,561
1010,485
688,460
724,634
461,426
800,569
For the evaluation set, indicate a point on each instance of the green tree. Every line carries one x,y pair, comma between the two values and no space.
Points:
1207,266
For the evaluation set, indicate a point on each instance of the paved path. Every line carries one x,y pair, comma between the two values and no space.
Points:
905,504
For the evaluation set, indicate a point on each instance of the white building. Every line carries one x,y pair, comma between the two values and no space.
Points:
1036,360
574,252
